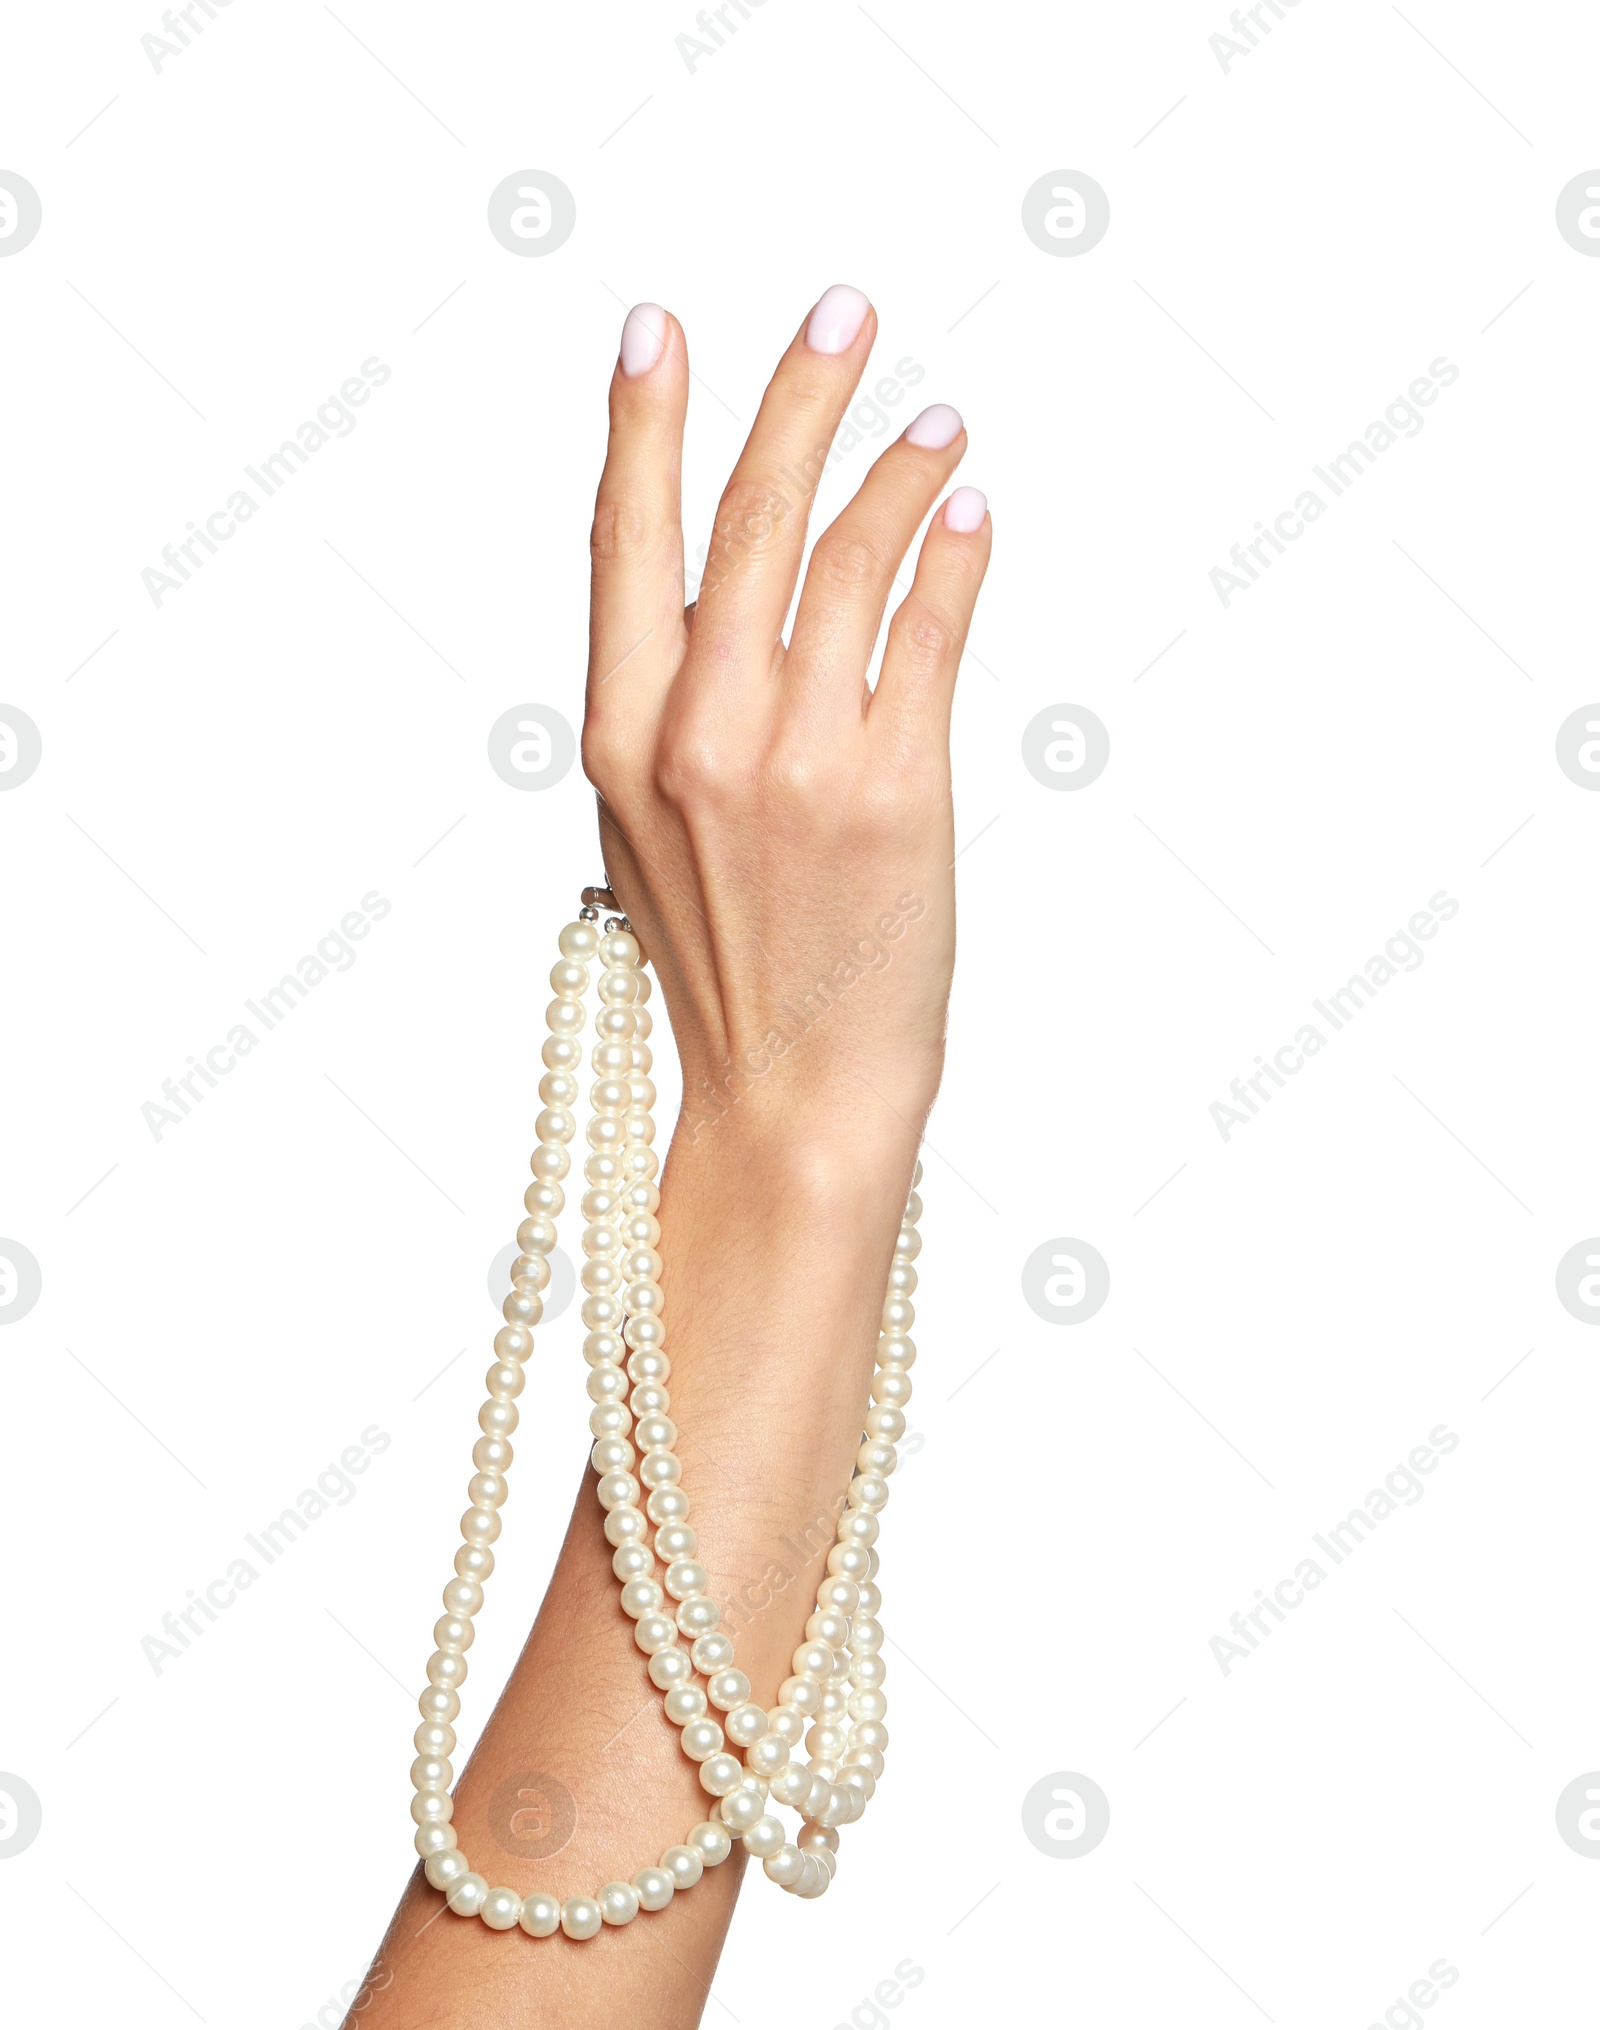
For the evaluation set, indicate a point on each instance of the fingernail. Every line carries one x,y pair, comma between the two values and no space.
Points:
644,335
964,510
935,428
837,320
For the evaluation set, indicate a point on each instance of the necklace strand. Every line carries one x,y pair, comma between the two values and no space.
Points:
833,1702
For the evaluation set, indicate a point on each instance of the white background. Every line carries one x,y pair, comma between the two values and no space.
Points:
300,1258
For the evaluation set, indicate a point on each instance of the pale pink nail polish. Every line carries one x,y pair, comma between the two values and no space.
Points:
644,335
936,428
836,322
964,510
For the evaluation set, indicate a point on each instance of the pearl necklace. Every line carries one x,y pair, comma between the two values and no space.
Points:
746,1757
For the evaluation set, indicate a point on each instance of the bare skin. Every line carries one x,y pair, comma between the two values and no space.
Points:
781,838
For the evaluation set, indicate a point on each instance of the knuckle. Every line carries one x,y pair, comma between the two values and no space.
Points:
621,531
925,639
602,751
847,564
750,515
692,770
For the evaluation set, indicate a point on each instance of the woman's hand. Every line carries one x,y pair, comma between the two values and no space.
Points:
781,837
779,834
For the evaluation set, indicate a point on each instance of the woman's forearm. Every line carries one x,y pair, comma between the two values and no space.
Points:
780,835
775,1254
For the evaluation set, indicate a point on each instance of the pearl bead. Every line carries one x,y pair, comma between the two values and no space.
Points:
765,1837
660,1469
579,940
676,1541
683,1703
480,1525
698,1615
641,1596
816,1800
712,1842
541,1914
581,1917
790,1785
474,1562
625,1526
618,948
654,1631
431,1772
742,1807
447,1669
617,1490
786,1723
549,1162
467,1894
445,1868
487,1490
746,1723
721,1774
497,1420
784,1866
885,1422
868,1672
435,1838
619,1903
815,1839
767,1754
829,1627
727,1688
523,1306
866,1635
801,1692
700,1739
513,1342
686,1577
811,1660
632,1561
537,1235
505,1380
611,1455
684,1865
610,1420
606,1384
501,1909
869,1599
656,1887
492,1455
434,1738
564,1018
891,1385
670,1668
869,1732
667,1504
438,1702
849,1561
649,1397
